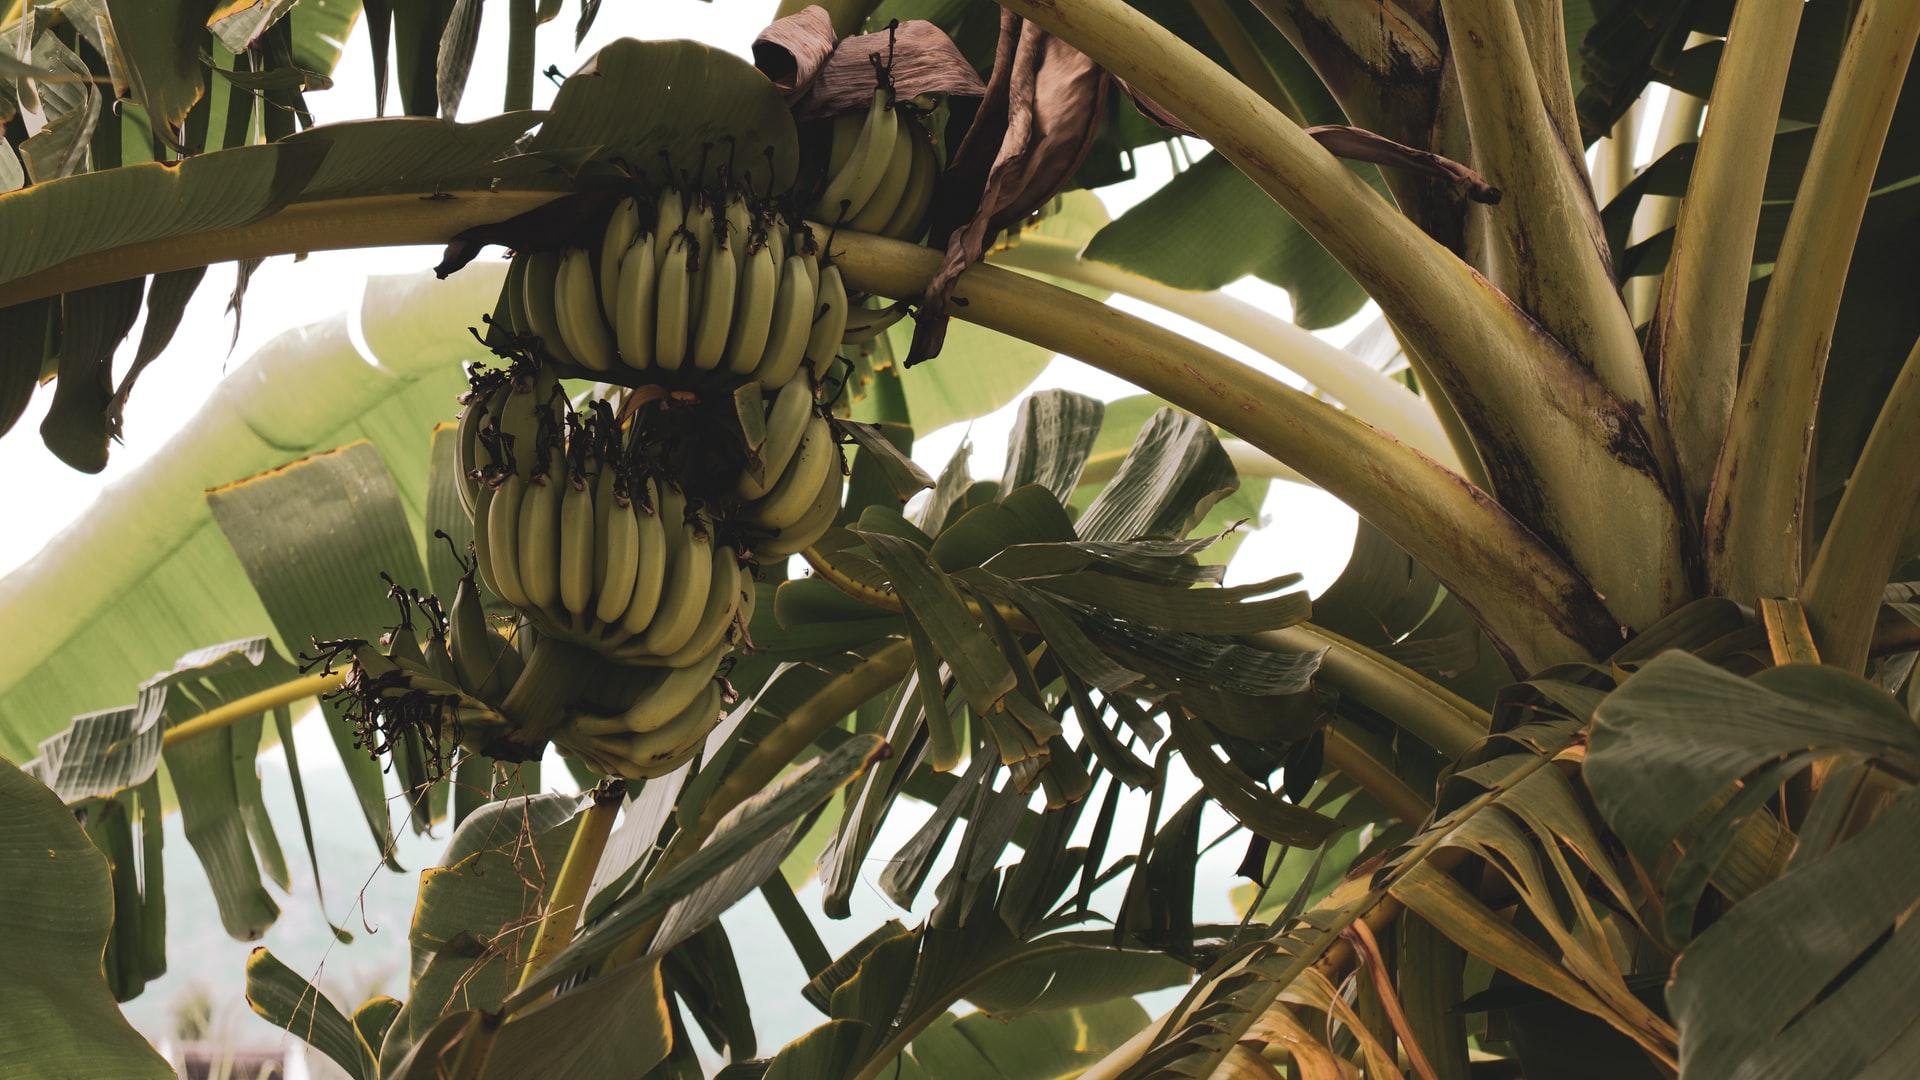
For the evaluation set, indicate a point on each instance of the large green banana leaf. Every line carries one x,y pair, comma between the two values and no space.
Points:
145,575
60,1021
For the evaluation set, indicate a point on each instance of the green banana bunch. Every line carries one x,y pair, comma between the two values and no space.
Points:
800,504
881,169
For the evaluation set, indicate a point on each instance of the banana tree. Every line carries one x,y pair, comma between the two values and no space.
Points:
1612,469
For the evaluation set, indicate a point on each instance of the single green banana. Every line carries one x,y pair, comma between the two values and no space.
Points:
519,424
603,494
812,526
539,550
576,547
885,200
623,227
658,520
804,244
633,319
684,597
864,323
538,286
474,648
776,233
797,487
621,536
671,215
792,325
705,219
469,452
786,423
846,136
515,287
847,193
719,280
503,540
723,604
753,309
577,309
673,293
659,703
739,221
830,322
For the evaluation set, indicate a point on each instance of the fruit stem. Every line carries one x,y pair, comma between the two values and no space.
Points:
589,842
1378,399
253,705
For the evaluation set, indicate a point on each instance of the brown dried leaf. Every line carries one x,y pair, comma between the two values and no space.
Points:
1359,144
1355,144
821,78
1042,109
791,51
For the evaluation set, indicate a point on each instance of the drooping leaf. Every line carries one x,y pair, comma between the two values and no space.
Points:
305,533
1168,481
1034,1046
1815,974
473,916
1050,441
288,1001
61,1021
92,616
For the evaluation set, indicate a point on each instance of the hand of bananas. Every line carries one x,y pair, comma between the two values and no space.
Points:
881,169
624,532
697,282
629,535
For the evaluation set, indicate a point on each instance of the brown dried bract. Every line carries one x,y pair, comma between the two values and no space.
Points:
1039,117
821,76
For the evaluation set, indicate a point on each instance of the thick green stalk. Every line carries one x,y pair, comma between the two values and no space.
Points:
1679,124
1613,164
1530,600
521,24
1426,710
1546,249
1695,334
1576,462
1543,23
1384,402
1861,549
562,914
327,225
253,705
1756,527
1246,59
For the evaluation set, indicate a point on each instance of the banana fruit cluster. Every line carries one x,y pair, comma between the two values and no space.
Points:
790,489
573,529
881,169
696,282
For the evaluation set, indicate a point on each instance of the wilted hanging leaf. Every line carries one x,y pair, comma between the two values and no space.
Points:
823,76
1040,113
56,888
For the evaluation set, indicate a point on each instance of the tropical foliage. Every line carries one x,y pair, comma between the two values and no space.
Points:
1598,758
